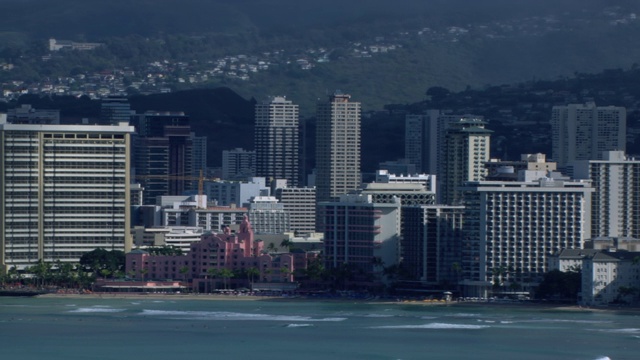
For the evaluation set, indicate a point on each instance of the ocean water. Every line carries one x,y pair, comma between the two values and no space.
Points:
122,329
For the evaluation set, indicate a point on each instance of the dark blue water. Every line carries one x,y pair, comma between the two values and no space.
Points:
94,328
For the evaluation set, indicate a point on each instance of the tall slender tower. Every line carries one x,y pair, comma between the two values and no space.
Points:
584,131
337,147
466,150
277,140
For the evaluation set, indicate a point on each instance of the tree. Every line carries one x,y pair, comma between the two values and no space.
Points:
100,259
226,274
560,285
437,93
184,270
41,270
271,247
252,272
287,244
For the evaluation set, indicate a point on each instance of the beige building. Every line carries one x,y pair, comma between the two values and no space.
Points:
65,191
337,147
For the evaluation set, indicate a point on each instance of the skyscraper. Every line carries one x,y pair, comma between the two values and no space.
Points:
466,150
277,140
337,147
65,192
238,164
163,154
584,131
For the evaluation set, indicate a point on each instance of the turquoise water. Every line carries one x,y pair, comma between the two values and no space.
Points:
93,328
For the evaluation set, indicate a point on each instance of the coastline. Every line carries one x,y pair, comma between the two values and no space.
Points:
234,297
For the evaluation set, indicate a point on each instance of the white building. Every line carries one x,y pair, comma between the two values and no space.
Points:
584,131
238,164
427,180
360,234
511,228
300,204
268,216
337,147
65,191
225,193
609,277
616,201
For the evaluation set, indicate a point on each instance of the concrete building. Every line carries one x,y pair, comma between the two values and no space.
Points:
360,234
400,167
300,204
466,150
337,147
427,180
180,237
431,243
268,216
26,114
65,191
226,193
616,201
499,170
511,228
238,164
584,131
277,140
610,277
407,193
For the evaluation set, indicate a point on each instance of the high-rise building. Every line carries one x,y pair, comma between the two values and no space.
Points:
430,243
163,154
115,110
277,140
510,228
300,204
64,192
337,147
425,137
500,170
615,203
238,164
466,150
360,234
584,131
268,215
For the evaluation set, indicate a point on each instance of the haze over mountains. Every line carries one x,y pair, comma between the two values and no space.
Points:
450,43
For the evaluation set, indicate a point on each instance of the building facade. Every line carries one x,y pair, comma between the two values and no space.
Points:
65,192
584,131
466,150
300,204
277,140
431,243
511,228
337,147
615,204
360,234
238,164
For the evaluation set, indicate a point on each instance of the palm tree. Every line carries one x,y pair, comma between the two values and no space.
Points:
144,272
284,271
252,272
271,247
214,273
226,274
184,270
287,244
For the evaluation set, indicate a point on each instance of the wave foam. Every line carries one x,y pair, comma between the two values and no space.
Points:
96,310
298,325
222,315
437,326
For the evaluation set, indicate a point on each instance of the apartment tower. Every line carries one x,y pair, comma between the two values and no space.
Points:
337,147
277,140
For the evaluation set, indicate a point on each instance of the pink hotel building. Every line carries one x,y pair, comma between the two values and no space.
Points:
234,251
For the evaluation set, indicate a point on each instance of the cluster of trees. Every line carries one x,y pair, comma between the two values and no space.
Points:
94,264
